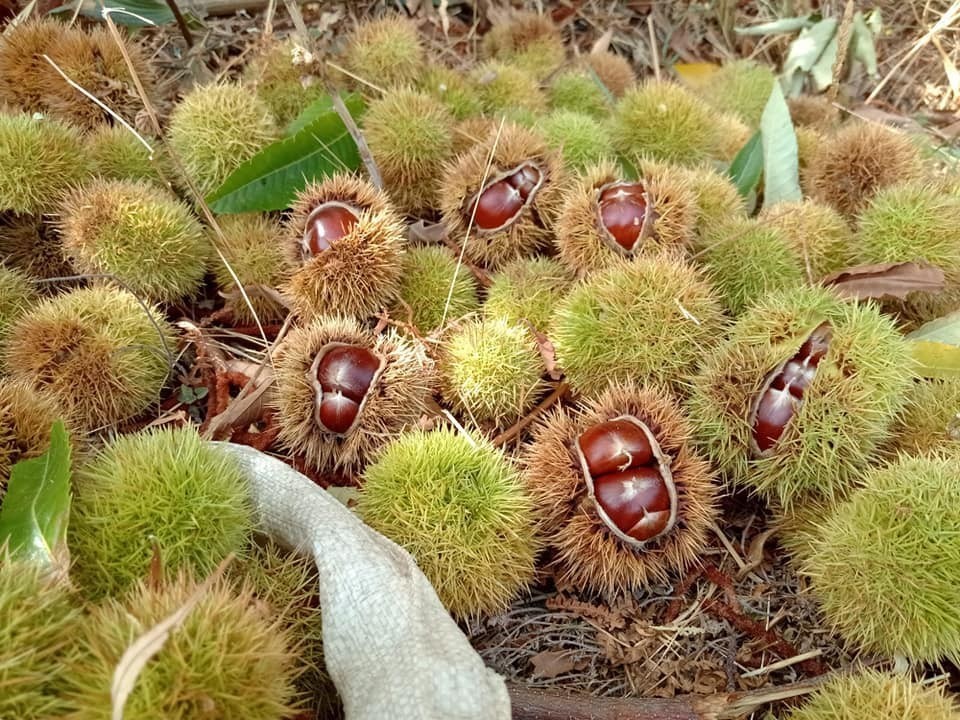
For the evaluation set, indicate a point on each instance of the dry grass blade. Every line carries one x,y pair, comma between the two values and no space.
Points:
151,642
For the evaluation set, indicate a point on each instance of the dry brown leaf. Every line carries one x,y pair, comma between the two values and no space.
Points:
602,44
886,280
550,663
755,552
244,410
150,643
547,352
426,233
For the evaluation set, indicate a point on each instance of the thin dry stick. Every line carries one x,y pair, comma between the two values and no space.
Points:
944,22
207,213
654,50
102,105
356,77
181,22
507,435
843,43
473,215
368,162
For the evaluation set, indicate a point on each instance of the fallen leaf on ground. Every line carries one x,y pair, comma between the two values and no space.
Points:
886,280
550,663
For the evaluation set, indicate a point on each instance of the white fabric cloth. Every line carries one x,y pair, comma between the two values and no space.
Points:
390,646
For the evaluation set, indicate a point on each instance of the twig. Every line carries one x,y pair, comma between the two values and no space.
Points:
654,51
944,22
344,112
558,392
535,704
181,22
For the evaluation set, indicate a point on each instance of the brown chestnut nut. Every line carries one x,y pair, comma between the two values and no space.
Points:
783,391
631,497
629,479
348,369
624,213
337,412
499,202
615,445
326,224
342,376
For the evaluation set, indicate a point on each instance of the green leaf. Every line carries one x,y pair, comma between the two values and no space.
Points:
807,48
156,12
781,168
862,47
33,520
271,179
309,114
776,27
936,347
747,166
822,71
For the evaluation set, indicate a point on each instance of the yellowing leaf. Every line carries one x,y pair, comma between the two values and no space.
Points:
695,75
936,347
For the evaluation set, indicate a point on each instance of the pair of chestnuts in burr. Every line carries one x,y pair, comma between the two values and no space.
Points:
342,376
783,390
629,479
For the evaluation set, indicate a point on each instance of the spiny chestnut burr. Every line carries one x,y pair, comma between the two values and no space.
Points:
344,391
342,375
346,243
500,202
500,198
819,448
605,218
622,500
327,223
783,390
625,214
629,479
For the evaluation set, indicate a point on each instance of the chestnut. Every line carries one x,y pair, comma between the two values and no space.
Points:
500,201
625,214
782,391
342,376
629,479
615,445
327,223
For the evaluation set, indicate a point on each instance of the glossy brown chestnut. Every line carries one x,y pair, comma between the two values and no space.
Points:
615,445
348,369
636,500
623,213
783,391
338,412
629,479
342,376
499,202
326,224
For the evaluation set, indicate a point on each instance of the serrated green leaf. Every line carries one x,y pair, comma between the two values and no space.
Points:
309,114
156,12
807,48
36,508
781,167
776,27
747,166
271,179
936,347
